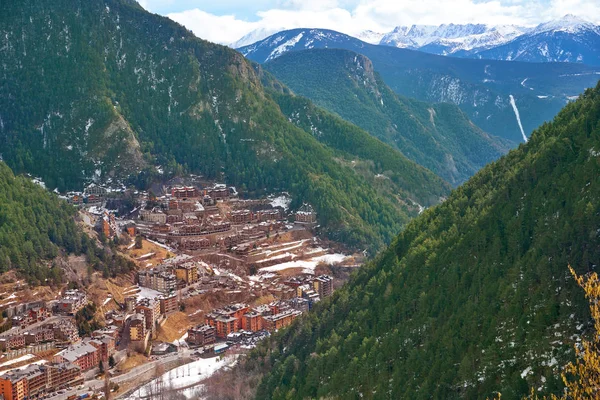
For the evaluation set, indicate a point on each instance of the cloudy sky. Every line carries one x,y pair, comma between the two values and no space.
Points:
225,21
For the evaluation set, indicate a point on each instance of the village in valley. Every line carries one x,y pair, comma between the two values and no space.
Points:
216,273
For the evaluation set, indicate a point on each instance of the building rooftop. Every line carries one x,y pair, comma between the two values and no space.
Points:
202,328
76,351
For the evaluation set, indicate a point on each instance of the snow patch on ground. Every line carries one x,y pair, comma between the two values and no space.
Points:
181,341
164,246
308,266
284,201
185,375
516,110
141,292
26,357
39,181
279,50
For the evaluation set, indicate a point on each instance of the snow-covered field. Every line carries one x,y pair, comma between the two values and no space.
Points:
26,357
308,266
185,375
141,292
181,341
283,200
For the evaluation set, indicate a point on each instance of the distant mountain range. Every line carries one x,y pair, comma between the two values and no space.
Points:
569,39
506,99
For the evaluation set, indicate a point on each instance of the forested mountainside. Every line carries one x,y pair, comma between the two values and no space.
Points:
364,154
101,89
437,136
474,296
36,227
481,88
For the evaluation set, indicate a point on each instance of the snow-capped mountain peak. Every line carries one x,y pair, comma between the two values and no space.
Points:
569,23
254,36
370,36
453,36
568,39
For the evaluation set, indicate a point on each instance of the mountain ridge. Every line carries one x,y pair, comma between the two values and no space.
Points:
481,88
474,297
568,39
103,90
437,136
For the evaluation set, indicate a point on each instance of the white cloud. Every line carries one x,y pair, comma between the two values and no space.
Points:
215,28
354,16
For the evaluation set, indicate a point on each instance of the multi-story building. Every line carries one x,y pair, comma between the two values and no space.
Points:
38,314
281,320
107,225
151,310
158,279
154,216
71,302
241,216
306,215
137,327
22,308
62,375
278,306
187,272
110,330
252,232
307,291
30,316
95,190
252,321
64,330
323,285
13,386
269,215
105,345
93,199
300,304
130,302
39,336
75,198
168,303
12,342
263,309
218,192
229,240
201,335
183,192
82,354
227,320
195,244
35,380
226,325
